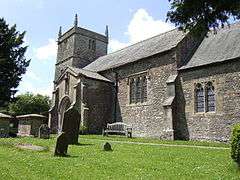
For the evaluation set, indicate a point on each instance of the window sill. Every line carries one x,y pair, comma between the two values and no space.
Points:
138,104
204,113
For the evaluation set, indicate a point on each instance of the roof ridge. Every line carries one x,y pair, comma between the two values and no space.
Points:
82,69
235,25
214,50
142,49
88,73
141,41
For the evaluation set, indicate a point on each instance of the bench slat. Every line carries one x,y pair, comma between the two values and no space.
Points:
119,127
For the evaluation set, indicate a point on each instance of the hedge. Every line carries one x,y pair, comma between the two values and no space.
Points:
235,144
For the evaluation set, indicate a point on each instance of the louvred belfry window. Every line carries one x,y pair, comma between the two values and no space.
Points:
210,97
199,98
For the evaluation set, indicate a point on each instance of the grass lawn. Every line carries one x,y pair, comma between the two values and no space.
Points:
126,161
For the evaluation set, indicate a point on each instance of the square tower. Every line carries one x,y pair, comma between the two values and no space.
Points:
79,47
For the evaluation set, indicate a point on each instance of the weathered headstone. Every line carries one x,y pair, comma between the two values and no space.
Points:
107,147
71,123
44,131
61,145
70,131
2,133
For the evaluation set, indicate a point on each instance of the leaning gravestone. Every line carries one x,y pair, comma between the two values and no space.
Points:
71,122
70,130
44,131
61,145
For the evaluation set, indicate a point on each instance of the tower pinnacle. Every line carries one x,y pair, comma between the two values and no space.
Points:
60,31
106,31
76,21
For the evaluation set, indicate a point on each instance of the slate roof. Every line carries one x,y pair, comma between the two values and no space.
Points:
89,74
157,44
223,46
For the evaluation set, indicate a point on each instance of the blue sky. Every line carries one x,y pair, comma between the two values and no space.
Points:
129,21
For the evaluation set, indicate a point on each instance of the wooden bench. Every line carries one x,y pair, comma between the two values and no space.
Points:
118,127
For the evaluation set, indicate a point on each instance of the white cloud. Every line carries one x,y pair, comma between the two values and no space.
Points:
48,51
141,26
27,86
116,45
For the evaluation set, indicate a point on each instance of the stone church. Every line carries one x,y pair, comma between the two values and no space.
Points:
171,86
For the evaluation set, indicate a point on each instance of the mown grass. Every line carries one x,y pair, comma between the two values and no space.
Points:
127,161
156,141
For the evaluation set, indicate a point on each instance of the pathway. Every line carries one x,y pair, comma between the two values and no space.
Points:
156,144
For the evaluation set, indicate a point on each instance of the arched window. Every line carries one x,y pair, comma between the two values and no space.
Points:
138,89
132,91
144,89
210,97
199,98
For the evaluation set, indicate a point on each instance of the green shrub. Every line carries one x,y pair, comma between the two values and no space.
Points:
29,103
235,144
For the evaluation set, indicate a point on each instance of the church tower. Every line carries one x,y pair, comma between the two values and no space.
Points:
78,47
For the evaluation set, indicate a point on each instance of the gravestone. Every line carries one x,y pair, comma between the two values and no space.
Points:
2,133
44,132
71,122
61,145
107,147
70,131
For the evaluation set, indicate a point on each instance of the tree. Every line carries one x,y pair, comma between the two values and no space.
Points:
12,60
201,15
30,104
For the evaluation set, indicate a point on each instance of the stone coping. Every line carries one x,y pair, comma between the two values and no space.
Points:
31,116
5,116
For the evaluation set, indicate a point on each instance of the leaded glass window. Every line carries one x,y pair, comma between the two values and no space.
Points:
210,97
144,89
199,99
132,91
138,89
